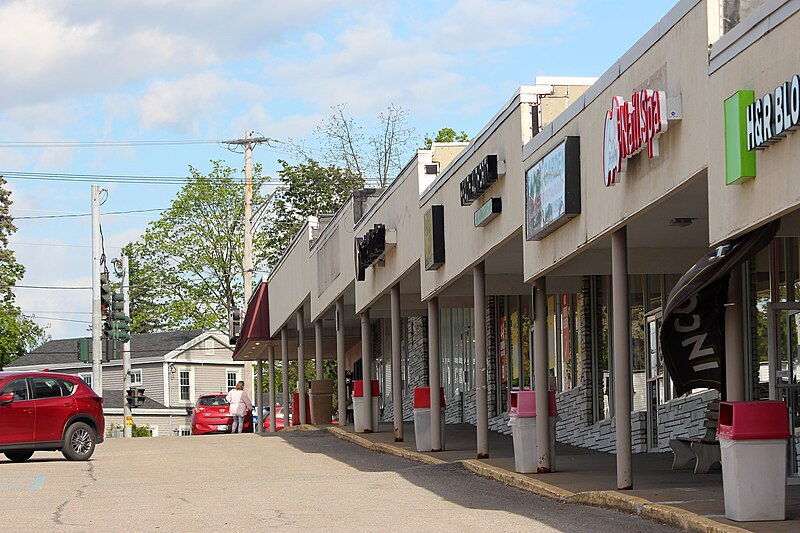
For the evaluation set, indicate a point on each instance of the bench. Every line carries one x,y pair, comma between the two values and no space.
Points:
705,449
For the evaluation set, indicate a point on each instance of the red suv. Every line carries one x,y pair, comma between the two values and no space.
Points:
212,415
51,412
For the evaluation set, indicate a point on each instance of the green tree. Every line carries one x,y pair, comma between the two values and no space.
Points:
186,270
18,334
446,135
307,189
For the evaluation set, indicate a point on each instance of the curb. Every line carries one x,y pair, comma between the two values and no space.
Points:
382,447
303,427
607,499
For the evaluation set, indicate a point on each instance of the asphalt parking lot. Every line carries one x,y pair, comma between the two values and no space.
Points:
294,481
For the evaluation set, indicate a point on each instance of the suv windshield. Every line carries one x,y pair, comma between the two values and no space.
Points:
212,401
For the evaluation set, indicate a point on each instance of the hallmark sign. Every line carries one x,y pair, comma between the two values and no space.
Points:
629,128
481,178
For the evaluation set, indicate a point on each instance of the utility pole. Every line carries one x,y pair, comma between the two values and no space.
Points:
126,350
97,328
247,263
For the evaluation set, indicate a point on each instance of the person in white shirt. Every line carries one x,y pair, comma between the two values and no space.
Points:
240,404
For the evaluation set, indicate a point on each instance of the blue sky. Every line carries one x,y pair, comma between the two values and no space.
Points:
159,70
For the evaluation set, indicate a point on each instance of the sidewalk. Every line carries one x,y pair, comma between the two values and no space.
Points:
586,476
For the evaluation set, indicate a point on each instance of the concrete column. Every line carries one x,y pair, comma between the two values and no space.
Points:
259,388
340,362
366,366
397,377
434,374
734,340
272,428
622,357
318,347
481,392
301,366
285,375
541,375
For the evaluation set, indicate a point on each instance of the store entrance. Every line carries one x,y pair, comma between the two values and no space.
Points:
784,371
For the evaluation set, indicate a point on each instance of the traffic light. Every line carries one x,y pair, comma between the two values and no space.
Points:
121,329
105,293
83,350
135,397
234,325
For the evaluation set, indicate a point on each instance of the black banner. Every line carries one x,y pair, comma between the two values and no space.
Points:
693,331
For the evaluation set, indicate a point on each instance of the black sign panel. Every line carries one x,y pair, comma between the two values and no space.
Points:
433,227
369,248
481,178
693,332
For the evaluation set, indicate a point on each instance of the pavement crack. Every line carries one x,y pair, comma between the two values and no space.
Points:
80,492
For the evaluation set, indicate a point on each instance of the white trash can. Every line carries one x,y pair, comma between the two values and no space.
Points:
361,407
523,433
422,419
752,439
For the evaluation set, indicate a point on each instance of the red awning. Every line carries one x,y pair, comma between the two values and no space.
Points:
254,332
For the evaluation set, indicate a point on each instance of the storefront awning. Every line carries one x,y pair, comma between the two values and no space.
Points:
693,331
254,333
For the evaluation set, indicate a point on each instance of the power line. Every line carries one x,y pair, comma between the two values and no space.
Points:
74,215
54,287
110,178
60,319
104,144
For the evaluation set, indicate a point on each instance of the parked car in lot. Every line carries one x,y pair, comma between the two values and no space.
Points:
211,414
278,419
48,412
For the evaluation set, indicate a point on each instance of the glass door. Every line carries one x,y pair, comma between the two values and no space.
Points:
657,382
784,372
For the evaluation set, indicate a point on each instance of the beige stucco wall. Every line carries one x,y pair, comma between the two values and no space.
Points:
290,282
336,244
676,63
466,245
761,67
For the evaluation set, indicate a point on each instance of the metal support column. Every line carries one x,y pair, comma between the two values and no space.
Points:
397,377
259,387
622,357
301,367
285,375
481,392
434,374
272,414
541,376
366,367
340,362
318,347
734,340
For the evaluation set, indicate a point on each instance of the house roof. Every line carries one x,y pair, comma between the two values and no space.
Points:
113,399
143,346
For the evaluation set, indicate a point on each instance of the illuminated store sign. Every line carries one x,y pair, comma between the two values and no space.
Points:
481,178
774,115
629,127
553,189
755,123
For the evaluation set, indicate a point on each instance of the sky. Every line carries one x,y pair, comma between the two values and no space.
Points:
157,70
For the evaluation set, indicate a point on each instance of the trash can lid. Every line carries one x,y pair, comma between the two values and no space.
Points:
525,403
762,420
422,397
358,388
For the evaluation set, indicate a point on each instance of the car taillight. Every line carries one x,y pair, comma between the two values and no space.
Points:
199,409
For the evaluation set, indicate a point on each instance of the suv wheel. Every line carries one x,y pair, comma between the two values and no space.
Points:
19,457
79,442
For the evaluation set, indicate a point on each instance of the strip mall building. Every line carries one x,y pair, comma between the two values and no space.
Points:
542,254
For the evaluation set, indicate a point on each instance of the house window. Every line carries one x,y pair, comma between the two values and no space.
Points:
208,347
232,379
87,378
184,386
136,377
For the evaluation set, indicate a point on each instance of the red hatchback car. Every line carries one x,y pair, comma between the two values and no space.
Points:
49,412
211,414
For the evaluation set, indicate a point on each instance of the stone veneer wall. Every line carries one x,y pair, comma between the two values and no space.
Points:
683,417
415,335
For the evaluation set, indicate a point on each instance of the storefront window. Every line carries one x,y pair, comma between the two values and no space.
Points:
602,348
638,348
456,350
